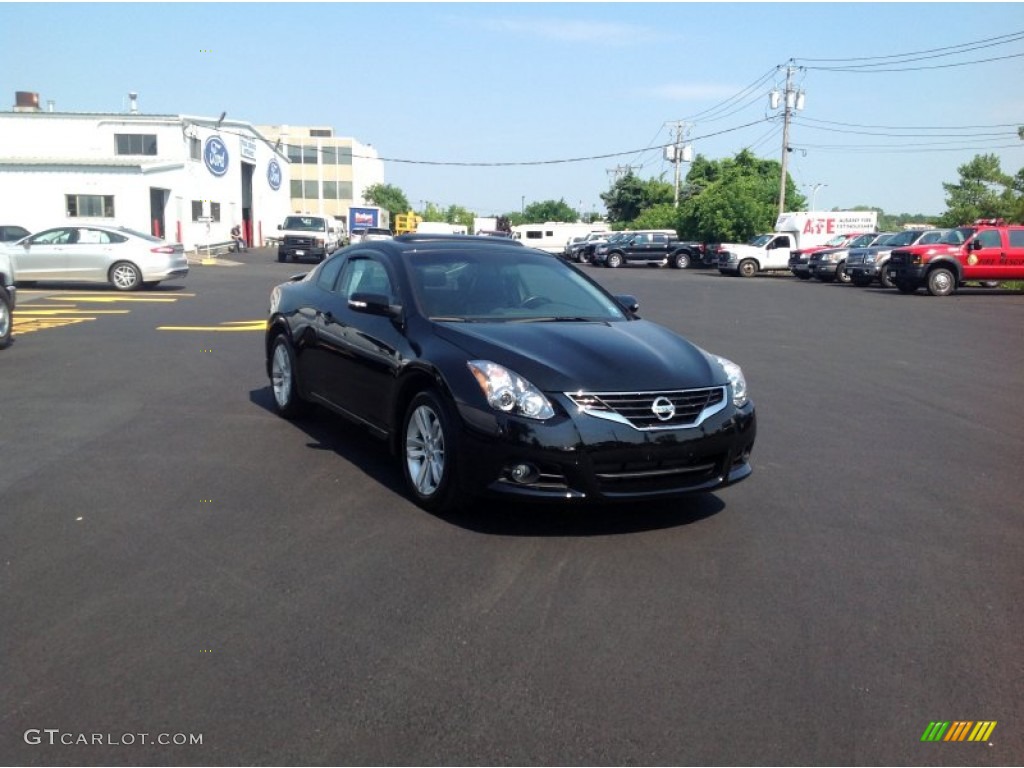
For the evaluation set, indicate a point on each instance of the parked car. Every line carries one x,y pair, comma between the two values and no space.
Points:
305,236
866,265
654,247
988,252
8,297
376,233
10,233
123,257
827,264
492,369
800,258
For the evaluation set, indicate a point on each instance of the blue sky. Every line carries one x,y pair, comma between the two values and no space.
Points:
523,82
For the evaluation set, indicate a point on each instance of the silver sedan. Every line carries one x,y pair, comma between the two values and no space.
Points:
91,253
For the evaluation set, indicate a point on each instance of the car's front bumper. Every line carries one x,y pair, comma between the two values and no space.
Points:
587,458
822,270
800,268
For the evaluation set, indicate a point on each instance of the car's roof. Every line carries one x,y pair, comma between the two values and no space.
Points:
486,241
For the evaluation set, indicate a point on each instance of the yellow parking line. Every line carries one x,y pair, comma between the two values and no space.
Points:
30,325
114,299
234,326
23,312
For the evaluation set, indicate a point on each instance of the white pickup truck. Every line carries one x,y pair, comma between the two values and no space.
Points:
306,236
802,229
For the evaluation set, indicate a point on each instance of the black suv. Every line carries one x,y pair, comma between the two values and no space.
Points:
655,247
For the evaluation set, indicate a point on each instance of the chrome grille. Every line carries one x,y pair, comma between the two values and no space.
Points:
690,407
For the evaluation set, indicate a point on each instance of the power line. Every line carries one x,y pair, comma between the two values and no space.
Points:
949,49
805,119
863,69
1003,134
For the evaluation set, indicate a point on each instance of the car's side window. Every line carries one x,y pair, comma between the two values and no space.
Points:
364,275
60,236
328,275
92,236
989,238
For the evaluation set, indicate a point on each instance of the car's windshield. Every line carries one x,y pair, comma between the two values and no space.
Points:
304,224
886,239
760,241
957,236
502,285
863,240
905,238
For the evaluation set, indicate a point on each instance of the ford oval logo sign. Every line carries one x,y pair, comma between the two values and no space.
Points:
274,175
662,408
215,155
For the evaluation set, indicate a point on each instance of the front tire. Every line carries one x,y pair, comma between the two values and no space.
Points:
284,379
841,276
6,320
748,268
681,260
614,261
429,452
941,282
125,276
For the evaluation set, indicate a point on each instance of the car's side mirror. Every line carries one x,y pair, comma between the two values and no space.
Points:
374,304
628,302
976,245
278,226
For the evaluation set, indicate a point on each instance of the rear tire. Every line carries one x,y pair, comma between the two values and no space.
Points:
125,276
681,260
284,379
883,279
614,261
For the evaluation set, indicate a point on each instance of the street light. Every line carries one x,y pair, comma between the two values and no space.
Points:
814,192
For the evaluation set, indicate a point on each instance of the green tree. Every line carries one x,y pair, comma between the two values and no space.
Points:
663,216
983,192
734,198
549,210
388,197
630,196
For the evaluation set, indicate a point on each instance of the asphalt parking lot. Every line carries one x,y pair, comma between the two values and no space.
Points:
177,560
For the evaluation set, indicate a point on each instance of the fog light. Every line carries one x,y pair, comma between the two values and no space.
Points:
524,474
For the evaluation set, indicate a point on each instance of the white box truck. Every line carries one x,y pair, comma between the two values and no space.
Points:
798,230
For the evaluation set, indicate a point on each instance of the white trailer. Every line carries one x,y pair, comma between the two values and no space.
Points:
552,236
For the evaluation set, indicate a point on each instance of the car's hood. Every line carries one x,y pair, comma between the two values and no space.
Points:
623,356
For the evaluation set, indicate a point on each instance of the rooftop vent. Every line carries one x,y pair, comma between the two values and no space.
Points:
26,101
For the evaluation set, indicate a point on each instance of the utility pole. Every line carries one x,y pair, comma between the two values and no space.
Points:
677,153
792,100
622,170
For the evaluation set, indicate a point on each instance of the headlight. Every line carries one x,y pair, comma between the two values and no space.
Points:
737,383
509,392
869,259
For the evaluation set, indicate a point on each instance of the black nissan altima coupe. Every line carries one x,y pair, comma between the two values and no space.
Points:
496,369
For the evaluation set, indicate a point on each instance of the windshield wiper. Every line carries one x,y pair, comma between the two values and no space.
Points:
561,319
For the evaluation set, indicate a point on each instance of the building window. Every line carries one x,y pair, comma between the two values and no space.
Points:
344,190
215,211
98,206
296,189
294,153
330,190
344,155
329,155
197,210
195,148
320,133
135,143
309,155
310,191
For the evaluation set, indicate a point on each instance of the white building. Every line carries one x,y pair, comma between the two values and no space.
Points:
184,178
329,173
